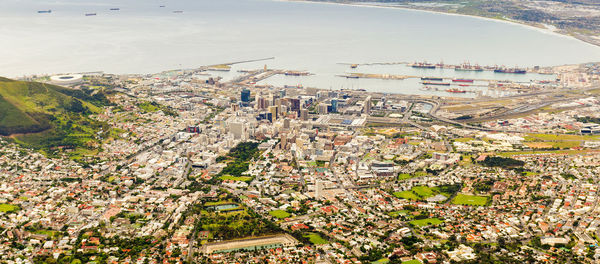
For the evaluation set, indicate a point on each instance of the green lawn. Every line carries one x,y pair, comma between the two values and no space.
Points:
423,191
8,208
279,214
398,213
465,199
464,139
316,239
234,178
426,222
414,261
381,261
404,176
409,195
551,137
217,203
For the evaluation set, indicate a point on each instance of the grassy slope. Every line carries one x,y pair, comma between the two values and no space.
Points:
43,116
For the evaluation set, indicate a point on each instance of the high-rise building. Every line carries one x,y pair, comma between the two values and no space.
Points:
286,123
274,110
294,104
304,114
367,105
334,105
245,96
323,108
237,129
319,187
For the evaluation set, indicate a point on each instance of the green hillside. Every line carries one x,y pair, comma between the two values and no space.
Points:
50,117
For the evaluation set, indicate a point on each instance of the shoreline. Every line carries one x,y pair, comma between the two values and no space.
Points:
543,29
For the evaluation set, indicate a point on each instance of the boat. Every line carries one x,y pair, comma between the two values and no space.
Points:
454,90
423,65
511,70
162,6
462,80
431,79
354,66
352,76
468,67
296,73
90,14
44,11
463,85
177,11
115,9
435,83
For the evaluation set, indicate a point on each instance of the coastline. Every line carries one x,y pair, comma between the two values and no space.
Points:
543,29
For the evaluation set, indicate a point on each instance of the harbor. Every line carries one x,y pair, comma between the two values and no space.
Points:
465,66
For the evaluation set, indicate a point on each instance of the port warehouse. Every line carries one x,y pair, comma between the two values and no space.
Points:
274,241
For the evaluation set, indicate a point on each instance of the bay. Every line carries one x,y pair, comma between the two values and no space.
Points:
143,37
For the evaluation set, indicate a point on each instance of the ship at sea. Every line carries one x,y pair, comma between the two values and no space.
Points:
468,67
463,80
90,14
435,83
44,11
510,70
115,9
423,65
454,90
431,79
177,11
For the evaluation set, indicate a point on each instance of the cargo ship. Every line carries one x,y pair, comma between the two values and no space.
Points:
435,83
115,9
90,14
468,67
462,80
178,12
454,90
423,65
44,11
512,70
431,79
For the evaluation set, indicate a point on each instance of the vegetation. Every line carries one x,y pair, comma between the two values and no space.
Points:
240,223
150,107
414,261
280,214
404,176
409,195
234,178
426,222
316,239
238,160
49,117
7,208
502,162
587,119
464,199
424,192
